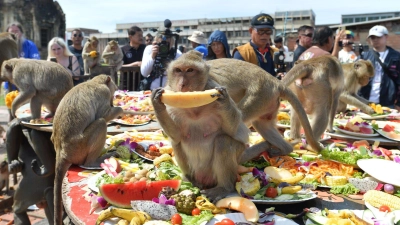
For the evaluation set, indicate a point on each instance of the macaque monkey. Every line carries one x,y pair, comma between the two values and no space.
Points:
4,176
40,82
209,140
318,83
80,129
8,46
90,61
356,75
113,56
257,94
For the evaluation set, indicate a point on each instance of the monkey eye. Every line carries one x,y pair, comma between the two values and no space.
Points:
178,70
189,70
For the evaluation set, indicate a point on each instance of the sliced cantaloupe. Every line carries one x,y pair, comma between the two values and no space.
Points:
277,173
243,205
189,99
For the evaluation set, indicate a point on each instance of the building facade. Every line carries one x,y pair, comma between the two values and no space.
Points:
356,18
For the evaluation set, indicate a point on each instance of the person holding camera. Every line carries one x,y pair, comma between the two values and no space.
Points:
279,44
257,51
384,87
347,55
155,58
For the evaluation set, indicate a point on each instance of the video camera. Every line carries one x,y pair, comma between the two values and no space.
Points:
281,58
165,53
356,47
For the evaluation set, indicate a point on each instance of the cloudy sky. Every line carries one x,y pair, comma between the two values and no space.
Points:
104,15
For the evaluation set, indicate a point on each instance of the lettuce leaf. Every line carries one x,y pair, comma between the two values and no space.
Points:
350,158
204,216
344,189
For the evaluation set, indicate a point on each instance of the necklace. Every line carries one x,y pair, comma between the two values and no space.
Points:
263,55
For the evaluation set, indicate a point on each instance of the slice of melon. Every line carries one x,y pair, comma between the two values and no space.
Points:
244,205
189,99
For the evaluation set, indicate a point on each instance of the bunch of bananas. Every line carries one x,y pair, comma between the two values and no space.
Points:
10,98
126,215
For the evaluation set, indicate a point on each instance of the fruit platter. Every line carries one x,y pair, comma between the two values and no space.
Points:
283,120
134,101
381,112
284,106
133,120
356,126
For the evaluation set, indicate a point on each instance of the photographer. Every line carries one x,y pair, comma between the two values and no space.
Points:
347,55
150,57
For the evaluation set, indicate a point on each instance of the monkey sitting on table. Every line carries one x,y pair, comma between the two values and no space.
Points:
209,140
40,82
356,75
318,83
113,56
80,129
90,55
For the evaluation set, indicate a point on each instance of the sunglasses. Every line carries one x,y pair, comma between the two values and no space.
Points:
262,32
310,35
77,35
148,40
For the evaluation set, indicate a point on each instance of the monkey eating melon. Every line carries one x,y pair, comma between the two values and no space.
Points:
189,99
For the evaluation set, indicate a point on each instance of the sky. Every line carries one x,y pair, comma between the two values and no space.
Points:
104,15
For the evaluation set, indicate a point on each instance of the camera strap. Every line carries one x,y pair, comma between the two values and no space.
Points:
384,67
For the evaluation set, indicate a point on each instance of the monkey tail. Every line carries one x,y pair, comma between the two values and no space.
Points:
296,105
299,71
62,166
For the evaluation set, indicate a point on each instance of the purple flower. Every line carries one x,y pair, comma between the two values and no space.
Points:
164,200
396,159
377,152
127,143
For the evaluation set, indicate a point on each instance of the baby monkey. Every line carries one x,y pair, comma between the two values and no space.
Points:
113,56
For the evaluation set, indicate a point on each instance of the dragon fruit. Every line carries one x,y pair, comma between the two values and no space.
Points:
363,185
155,210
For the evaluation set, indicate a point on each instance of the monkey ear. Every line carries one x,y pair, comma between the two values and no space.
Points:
108,80
8,67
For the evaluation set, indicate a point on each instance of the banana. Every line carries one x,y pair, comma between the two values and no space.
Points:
136,221
291,189
123,222
126,214
290,180
143,216
105,214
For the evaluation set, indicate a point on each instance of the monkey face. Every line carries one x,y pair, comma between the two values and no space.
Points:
364,71
186,79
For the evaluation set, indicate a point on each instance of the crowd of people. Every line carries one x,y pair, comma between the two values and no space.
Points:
143,51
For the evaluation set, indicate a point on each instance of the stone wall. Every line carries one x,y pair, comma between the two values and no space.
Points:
41,20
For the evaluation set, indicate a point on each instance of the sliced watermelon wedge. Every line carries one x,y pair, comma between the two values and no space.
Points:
121,195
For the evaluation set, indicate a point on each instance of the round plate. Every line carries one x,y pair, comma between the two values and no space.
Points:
356,134
239,217
285,202
382,170
369,117
119,121
324,137
386,135
91,181
37,124
146,145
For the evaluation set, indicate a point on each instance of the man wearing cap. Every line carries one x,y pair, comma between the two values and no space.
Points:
257,51
347,55
383,88
199,42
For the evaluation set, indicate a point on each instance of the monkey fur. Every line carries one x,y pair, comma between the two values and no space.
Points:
80,129
318,83
8,46
257,94
113,56
209,140
40,82
90,62
4,176
356,75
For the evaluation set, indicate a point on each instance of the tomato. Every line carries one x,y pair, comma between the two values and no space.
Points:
225,222
271,192
176,219
153,148
196,211
384,208
388,128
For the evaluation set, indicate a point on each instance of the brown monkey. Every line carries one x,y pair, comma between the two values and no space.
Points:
356,75
8,47
80,129
40,82
113,56
90,61
209,140
257,95
4,176
318,83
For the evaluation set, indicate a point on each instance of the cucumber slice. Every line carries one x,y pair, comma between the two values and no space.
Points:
294,155
317,219
284,197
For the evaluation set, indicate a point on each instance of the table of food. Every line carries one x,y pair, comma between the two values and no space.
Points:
348,182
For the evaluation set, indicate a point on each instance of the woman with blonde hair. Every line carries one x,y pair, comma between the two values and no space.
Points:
59,53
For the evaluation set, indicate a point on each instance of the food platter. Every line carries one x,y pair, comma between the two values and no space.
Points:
146,145
239,217
122,122
324,137
91,181
370,117
90,167
355,133
282,125
37,124
378,169
284,202
389,135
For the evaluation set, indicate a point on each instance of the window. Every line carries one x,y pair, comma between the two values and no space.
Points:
306,18
279,19
238,33
385,17
373,18
186,27
144,29
194,27
360,19
120,31
296,18
347,20
230,33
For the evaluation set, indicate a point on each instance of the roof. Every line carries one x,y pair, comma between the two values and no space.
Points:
365,22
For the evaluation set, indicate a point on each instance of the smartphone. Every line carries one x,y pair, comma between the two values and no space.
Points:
53,59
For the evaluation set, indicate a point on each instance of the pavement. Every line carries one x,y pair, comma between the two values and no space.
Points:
36,216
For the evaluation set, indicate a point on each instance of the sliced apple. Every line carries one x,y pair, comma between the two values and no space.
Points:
115,164
243,205
189,99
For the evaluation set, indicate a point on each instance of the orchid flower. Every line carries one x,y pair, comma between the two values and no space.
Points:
127,143
396,159
164,200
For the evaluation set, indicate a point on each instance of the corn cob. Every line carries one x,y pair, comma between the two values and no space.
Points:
379,198
335,180
162,158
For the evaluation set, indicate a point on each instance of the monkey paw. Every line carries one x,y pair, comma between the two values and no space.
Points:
370,110
223,94
39,170
15,166
215,194
156,97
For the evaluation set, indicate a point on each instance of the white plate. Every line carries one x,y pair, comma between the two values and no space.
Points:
37,124
119,121
282,125
382,170
383,133
365,215
285,202
239,217
91,181
369,117
356,133
324,137
90,167
146,145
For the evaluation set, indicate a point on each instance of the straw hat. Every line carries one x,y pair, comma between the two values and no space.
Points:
198,37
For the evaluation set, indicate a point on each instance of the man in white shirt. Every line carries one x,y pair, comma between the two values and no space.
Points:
347,55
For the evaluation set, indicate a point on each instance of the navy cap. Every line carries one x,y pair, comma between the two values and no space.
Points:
262,21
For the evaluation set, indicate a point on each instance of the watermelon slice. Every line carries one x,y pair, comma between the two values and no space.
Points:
121,195
388,128
366,130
